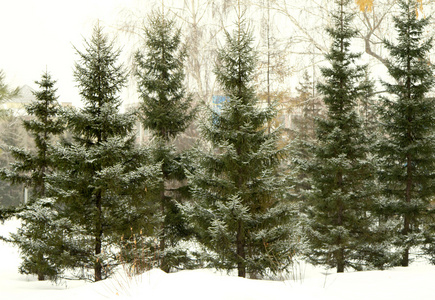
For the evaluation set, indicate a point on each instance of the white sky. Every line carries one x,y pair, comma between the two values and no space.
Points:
40,34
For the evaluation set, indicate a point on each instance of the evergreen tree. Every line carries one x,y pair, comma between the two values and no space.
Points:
6,94
239,214
13,135
408,161
33,237
166,112
9,195
100,182
311,106
339,198
304,133
367,110
40,239
30,168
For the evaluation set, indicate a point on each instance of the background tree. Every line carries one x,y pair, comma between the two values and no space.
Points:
339,197
100,170
13,135
31,169
407,117
6,93
310,107
239,213
166,111
9,195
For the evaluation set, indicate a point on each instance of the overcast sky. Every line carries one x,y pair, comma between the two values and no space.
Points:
40,34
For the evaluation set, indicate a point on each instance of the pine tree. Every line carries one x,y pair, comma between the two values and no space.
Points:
101,180
239,214
166,111
339,198
407,117
33,237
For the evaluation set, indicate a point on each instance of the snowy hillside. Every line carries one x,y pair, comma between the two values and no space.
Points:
415,282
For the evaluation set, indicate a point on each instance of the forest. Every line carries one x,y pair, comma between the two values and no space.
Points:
249,145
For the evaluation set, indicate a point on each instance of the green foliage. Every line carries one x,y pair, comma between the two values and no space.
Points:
31,168
337,210
166,111
9,195
407,149
6,94
160,72
239,214
102,180
304,135
40,239
13,135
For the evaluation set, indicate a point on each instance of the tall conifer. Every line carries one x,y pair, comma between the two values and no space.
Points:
35,236
6,94
339,197
166,111
407,152
239,214
100,170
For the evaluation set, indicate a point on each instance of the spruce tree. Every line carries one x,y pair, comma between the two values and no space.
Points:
33,238
9,195
339,197
6,94
30,168
101,180
407,152
166,111
304,133
239,214
13,136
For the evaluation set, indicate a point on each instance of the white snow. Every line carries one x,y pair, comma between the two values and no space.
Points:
414,282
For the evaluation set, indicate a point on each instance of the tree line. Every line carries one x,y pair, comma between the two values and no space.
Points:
351,188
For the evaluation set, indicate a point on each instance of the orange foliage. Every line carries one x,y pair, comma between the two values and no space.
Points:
421,6
365,5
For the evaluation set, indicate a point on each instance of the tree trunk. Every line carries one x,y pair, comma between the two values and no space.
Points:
163,261
406,217
409,171
339,255
240,241
41,276
98,237
340,261
405,231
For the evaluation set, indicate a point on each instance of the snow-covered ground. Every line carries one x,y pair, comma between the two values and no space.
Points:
415,282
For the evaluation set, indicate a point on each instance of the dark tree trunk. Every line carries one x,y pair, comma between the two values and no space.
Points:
98,237
340,261
406,217
339,255
164,266
405,257
409,171
240,240
41,276
405,254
